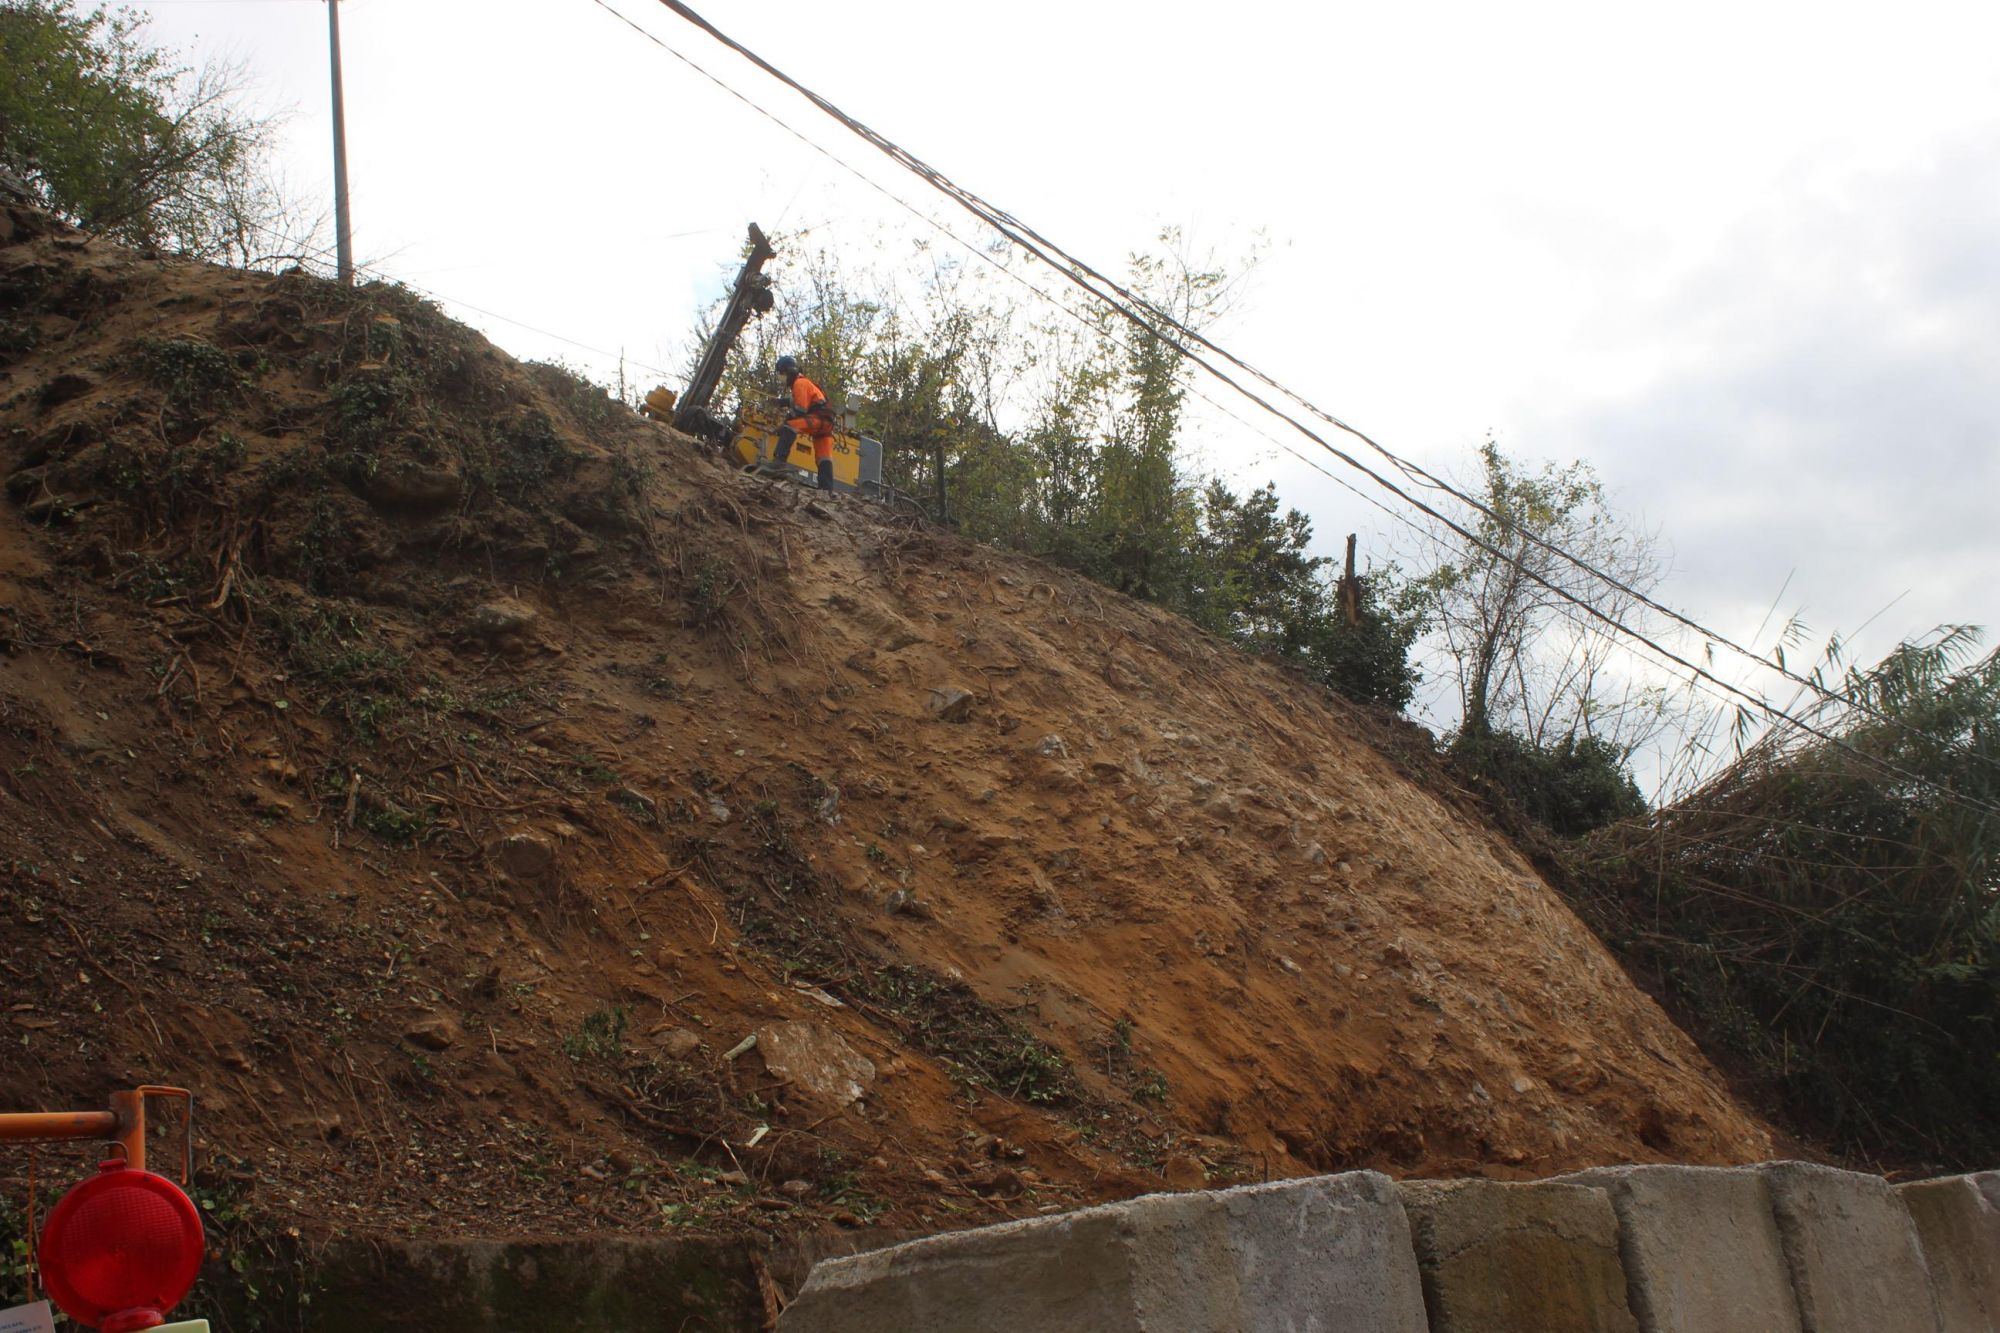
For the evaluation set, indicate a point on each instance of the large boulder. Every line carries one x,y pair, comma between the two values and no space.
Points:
817,1061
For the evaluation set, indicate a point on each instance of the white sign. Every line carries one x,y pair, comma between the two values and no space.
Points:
28,1319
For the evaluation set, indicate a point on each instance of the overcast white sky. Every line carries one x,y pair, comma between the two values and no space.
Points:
1742,257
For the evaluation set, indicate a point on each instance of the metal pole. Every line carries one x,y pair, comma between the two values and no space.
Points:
941,515
130,1108
60,1125
343,231
124,1124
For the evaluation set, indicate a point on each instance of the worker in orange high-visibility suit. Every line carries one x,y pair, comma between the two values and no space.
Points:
814,420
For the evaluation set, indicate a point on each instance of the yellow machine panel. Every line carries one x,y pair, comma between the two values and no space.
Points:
757,435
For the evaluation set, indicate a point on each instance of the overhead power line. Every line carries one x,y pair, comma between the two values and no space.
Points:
981,253
1152,319
1156,323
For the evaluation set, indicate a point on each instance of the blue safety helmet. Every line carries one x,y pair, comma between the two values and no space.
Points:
788,365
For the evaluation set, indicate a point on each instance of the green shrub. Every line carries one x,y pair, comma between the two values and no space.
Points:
1578,784
1369,661
1825,912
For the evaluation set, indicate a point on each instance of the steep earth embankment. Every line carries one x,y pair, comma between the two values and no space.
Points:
443,772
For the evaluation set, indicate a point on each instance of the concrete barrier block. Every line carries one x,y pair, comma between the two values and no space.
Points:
1852,1250
1503,1258
1958,1226
1327,1253
1700,1248
1073,1271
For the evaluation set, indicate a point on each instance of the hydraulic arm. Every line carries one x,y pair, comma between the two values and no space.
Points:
750,296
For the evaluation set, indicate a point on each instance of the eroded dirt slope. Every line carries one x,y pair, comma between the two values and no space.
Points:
443,772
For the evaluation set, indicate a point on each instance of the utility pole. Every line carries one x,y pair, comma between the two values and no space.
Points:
343,231
942,516
1349,588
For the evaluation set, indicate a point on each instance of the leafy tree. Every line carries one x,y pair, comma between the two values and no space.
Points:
112,136
1257,583
933,381
820,318
1528,662
1087,469
1148,510
1520,652
1063,450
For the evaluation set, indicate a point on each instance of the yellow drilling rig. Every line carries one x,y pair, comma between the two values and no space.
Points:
752,431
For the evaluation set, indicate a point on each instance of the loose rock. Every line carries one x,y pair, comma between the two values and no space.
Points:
678,1043
501,617
950,705
526,856
637,802
415,487
436,1032
817,1061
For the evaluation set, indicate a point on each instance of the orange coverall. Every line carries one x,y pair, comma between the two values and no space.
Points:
805,394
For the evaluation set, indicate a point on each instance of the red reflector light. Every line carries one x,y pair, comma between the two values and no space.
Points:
121,1249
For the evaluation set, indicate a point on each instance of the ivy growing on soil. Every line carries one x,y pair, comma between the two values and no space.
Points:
367,411
1569,786
707,590
17,338
988,1049
13,1251
600,1037
196,376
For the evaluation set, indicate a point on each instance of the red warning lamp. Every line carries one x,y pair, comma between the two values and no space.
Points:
121,1249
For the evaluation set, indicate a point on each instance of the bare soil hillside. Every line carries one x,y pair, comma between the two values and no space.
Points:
443,772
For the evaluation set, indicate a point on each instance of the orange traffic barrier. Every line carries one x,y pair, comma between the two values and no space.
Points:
125,1127
124,1124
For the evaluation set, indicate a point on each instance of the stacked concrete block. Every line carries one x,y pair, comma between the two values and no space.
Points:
1503,1258
1958,1226
1852,1249
1782,1248
1322,1254
1700,1248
